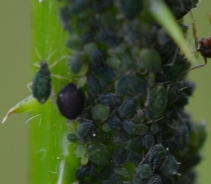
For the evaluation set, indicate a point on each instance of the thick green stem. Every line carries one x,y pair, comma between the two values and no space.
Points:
52,158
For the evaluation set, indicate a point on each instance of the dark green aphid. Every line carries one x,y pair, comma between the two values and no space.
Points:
182,137
82,172
156,154
114,123
108,73
98,154
65,15
79,5
171,71
93,84
100,112
86,132
128,107
108,38
41,87
109,99
86,171
154,128
156,103
170,166
180,8
70,101
97,57
134,144
76,63
129,126
137,180
119,158
148,141
72,137
87,38
115,179
131,8
154,179
144,171
100,6
150,60
134,157
141,129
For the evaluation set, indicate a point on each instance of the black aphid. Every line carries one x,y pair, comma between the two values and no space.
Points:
41,88
70,101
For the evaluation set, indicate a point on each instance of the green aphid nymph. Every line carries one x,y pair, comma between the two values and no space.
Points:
41,88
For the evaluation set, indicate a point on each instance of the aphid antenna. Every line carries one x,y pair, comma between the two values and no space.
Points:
44,153
48,58
35,117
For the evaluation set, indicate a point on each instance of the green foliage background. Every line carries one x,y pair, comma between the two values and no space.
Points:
15,51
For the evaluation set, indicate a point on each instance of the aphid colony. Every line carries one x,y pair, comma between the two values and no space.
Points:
132,127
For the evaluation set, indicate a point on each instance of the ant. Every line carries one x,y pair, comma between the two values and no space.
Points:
202,45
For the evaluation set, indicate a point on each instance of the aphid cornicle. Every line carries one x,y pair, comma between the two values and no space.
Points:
41,88
70,101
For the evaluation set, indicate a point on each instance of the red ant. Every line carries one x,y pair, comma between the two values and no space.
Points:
202,45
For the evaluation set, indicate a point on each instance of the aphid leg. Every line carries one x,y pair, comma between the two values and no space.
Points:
29,86
44,153
35,117
57,61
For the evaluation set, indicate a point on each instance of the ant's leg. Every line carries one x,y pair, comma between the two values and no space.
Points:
193,68
194,31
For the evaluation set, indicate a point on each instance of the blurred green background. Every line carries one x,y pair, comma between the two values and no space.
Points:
15,50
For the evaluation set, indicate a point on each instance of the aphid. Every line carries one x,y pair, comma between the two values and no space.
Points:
134,144
156,103
114,122
144,171
134,157
97,57
86,132
72,137
128,107
129,126
98,154
150,60
76,63
131,8
110,100
100,112
70,101
119,158
93,84
180,8
41,88
154,179
170,166
148,141
108,38
156,154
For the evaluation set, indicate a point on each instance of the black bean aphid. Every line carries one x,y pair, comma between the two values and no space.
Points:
70,101
41,88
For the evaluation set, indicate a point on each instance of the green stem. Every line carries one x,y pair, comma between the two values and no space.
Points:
52,158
